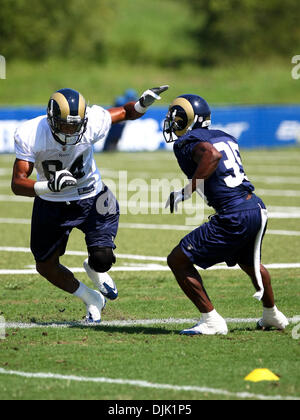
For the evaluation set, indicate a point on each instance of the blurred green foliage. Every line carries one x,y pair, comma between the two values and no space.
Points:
163,33
253,29
38,29
95,30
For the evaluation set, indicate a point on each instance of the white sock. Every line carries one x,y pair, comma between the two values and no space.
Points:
84,293
210,315
271,310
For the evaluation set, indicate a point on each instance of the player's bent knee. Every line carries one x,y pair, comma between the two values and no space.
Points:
101,259
177,260
40,268
44,269
172,260
49,267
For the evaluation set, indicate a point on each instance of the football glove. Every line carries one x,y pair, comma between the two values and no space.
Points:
61,180
175,198
149,97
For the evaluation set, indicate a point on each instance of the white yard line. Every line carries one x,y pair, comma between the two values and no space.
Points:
259,191
276,179
149,268
5,184
278,193
12,221
5,171
15,198
153,226
145,384
254,169
275,212
129,323
287,209
84,253
283,215
283,232
146,267
140,267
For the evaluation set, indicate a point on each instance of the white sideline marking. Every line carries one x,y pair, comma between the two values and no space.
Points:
140,267
283,215
283,232
5,184
152,226
10,221
5,171
17,198
145,267
148,268
148,204
258,191
288,209
275,212
254,169
130,322
145,384
84,254
276,179
278,193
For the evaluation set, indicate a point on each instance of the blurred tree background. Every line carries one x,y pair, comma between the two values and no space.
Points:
207,42
234,29
35,30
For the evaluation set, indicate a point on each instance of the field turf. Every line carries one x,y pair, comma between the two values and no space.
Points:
46,351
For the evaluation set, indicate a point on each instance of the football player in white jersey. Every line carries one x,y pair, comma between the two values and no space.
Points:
69,191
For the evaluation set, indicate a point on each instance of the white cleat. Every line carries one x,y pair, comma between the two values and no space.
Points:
210,324
272,317
95,307
102,281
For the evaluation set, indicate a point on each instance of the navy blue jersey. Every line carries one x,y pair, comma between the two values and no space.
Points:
228,186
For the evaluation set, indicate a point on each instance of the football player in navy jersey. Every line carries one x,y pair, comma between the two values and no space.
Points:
69,192
234,234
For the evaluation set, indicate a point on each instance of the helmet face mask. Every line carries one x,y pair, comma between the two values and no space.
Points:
170,126
66,116
186,112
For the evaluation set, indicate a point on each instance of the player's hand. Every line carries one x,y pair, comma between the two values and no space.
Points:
175,198
149,97
61,181
152,95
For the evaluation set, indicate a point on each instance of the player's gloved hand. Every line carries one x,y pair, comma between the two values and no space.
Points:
175,198
61,180
149,97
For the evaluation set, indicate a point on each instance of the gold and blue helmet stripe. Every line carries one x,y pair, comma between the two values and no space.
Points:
186,112
67,116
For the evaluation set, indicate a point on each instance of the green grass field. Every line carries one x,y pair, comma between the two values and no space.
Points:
243,83
152,351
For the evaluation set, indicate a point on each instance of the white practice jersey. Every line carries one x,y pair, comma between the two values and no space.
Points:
35,143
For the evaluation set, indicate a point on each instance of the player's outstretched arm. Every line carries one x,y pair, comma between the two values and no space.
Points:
135,110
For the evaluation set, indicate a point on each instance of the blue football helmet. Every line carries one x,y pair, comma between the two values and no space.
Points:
66,114
186,112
